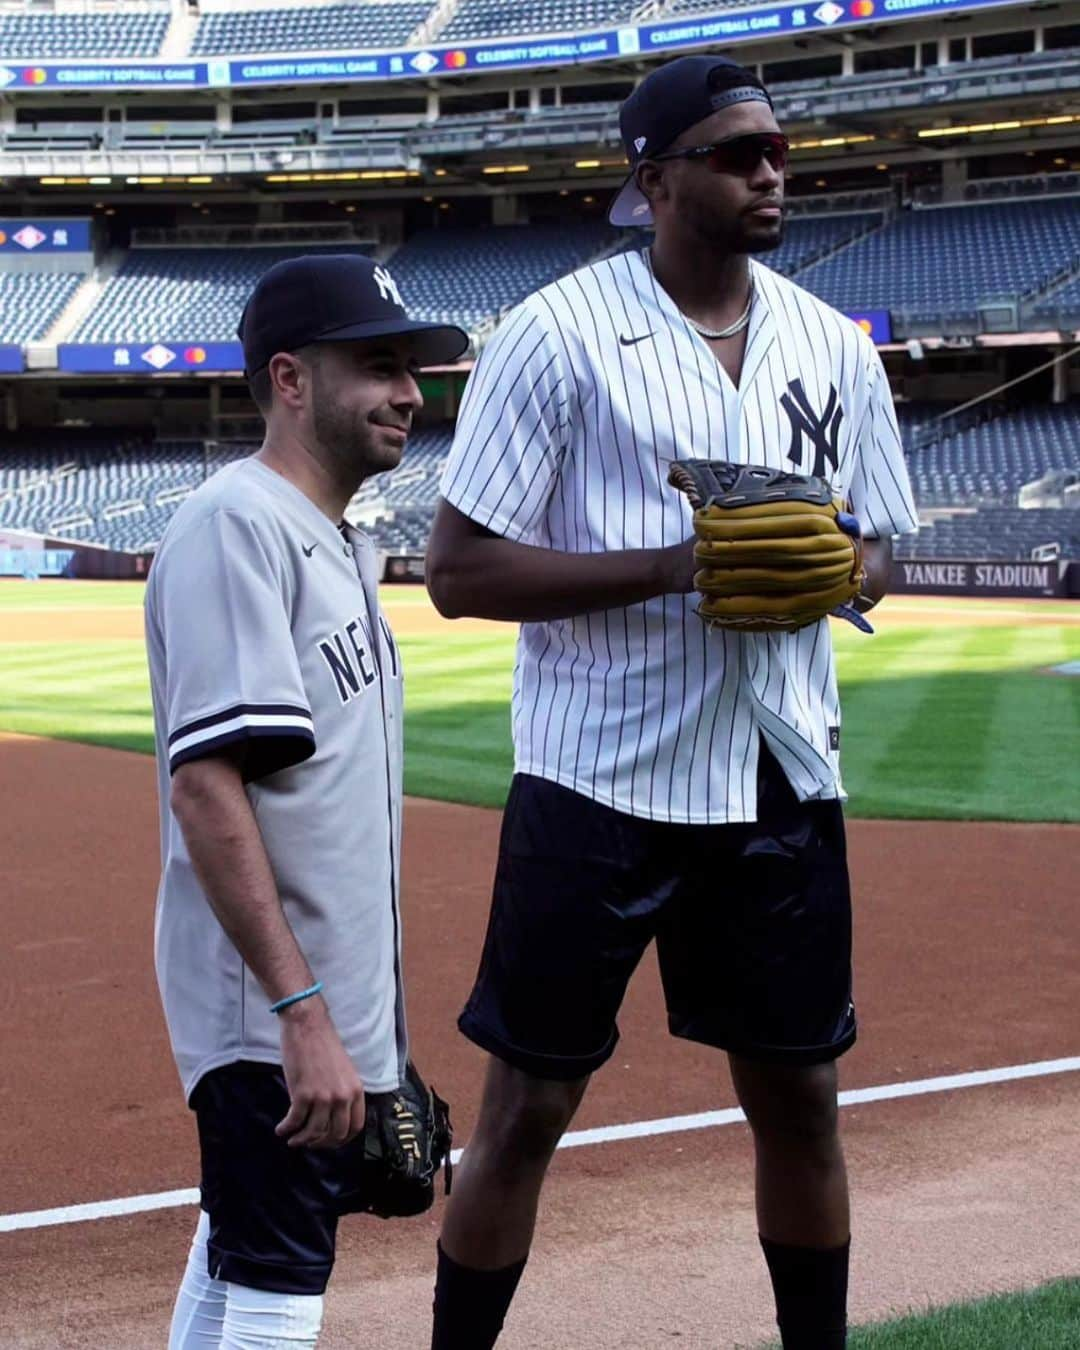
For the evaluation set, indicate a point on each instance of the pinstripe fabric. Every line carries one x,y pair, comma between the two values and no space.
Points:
563,441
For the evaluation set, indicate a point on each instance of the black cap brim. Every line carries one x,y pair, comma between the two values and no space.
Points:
433,344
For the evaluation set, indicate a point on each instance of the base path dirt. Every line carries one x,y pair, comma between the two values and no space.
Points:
968,956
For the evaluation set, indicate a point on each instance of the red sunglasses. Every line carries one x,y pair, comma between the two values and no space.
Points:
741,155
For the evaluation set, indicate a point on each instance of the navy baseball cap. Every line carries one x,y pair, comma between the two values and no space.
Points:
335,297
667,101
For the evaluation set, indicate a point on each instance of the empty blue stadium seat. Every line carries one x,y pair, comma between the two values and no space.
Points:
952,258
807,238
990,462
465,276
370,23
30,302
182,294
1003,533
487,18
31,37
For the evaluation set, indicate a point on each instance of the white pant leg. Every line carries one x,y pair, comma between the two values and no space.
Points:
256,1319
199,1314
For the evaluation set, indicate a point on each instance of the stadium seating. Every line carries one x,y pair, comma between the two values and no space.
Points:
94,486
486,18
375,23
30,302
677,7
448,276
414,485
951,259
181,294
990,462
121,490
465,276
1002,532
36,37
807,238
1062,307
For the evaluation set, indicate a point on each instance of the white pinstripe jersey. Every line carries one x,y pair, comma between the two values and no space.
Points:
587,391
263,628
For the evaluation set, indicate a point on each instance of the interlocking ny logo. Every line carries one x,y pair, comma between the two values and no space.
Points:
387,286
823,431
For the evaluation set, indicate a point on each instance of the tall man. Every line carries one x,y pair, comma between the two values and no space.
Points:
277,712
654,756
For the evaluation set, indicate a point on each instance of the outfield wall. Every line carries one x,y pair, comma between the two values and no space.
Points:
36,557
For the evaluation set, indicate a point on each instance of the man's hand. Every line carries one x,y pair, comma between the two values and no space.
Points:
326,1095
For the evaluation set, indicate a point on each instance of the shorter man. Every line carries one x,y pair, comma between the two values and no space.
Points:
277,708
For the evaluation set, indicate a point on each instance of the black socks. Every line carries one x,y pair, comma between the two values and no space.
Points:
810,1284
470,1305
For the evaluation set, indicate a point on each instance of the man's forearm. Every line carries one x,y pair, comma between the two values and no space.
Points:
230,860
494,578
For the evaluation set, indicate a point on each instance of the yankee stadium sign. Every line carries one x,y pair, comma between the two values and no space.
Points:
979,578
527,51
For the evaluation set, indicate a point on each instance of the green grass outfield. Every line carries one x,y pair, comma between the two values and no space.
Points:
950,720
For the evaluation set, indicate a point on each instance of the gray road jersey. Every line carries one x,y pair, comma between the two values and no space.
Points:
263,626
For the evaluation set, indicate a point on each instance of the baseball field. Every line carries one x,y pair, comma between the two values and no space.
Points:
952,710
961,752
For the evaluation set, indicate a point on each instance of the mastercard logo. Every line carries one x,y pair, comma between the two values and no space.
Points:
862,9
865,325
34,75
455,60
195,356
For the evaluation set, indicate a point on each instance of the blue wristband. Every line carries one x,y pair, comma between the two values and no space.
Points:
316,988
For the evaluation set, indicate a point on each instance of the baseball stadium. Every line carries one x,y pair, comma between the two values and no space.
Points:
157,157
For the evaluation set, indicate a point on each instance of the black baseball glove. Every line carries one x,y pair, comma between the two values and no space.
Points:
406,1140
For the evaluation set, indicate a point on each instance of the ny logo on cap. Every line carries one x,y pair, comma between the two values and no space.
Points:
387,286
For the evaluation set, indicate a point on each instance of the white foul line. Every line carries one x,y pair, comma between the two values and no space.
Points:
604,1134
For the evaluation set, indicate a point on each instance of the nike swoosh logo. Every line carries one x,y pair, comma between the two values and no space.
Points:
630,341
309,551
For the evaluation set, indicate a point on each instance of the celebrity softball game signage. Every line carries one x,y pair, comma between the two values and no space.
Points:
658,39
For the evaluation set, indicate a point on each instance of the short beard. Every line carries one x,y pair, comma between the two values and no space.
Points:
736,238
763,243
342,434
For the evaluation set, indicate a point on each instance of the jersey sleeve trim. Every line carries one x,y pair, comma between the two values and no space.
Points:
285,735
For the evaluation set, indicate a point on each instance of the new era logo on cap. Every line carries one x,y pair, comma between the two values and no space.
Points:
640,143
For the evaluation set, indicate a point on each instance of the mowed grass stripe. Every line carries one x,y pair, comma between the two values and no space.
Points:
937,752
484,662
1035,735
70,595
97,692
881,689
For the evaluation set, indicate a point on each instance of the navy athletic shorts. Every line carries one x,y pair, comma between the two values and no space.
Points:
273,1209
752,924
